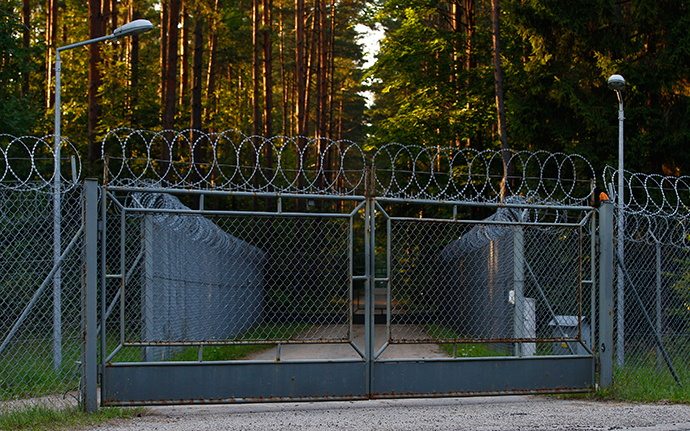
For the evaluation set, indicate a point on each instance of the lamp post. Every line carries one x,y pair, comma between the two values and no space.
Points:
617,83
135,27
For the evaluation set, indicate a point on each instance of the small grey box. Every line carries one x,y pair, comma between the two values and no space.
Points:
567,327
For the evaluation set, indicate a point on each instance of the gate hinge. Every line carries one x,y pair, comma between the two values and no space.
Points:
100,225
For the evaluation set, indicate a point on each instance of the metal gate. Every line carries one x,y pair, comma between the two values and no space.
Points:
333,288
502,297
469,307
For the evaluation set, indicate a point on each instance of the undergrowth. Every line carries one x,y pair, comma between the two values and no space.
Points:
39,418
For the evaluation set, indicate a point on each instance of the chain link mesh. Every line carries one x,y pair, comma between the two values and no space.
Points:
653,318
495,282
39,328
225,279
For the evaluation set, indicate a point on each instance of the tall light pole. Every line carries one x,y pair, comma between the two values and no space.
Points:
135,27
617,83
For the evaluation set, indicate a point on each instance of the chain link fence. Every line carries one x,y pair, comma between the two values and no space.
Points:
221,278
496,287
40,275
653,311
40,327
522,283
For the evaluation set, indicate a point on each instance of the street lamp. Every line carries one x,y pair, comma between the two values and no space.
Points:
617,83
135,27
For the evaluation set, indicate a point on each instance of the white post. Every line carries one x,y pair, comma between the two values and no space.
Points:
135,27
617,83
519,287
620,300
57,222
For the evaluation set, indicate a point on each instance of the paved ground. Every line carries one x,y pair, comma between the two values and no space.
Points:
345,351
481,413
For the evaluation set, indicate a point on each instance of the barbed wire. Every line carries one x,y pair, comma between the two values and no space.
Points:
233,161
651,194
28,163
660,228
434,173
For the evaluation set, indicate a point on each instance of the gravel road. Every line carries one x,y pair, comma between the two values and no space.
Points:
481,413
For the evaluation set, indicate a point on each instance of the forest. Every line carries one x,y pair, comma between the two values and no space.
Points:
484,74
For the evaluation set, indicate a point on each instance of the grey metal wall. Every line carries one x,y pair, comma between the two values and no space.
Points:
199,282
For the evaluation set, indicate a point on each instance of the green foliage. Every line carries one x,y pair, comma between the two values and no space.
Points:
556,57
241,351
27,369
39,418
424,93
19,112
221,353
463,350
640,380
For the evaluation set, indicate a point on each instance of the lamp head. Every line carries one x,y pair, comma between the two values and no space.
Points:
137,26
616,82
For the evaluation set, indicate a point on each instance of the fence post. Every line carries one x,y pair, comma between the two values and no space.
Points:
606,295
89,363
370,241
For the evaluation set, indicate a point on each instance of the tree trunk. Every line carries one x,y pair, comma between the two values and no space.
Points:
309,69
94,113
256,69
331,71
267,25
114,14
26,42
319,66
163,50
197,71
171,66
500,106
300,79
211,75
184,77
51,41
324,49
268,69
321,90
283,77
106,15
199,152
134,67
170,87
256,103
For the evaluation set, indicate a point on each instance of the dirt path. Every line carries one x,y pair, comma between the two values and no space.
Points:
345,351
480,413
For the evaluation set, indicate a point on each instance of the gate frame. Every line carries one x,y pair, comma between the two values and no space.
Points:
512,374
375,371
303,385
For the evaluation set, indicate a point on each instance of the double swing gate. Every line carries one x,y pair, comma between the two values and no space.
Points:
335,298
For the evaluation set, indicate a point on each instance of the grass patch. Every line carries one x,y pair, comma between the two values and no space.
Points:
261,332
27,371
45,418
643,379
473,350
231,352
464,350
651,384
221,353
